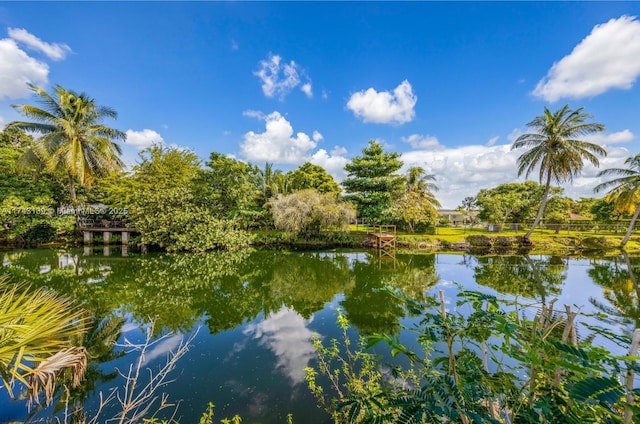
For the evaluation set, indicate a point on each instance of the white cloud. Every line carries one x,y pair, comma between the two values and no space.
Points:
144,138
162,349
253,114
325,94
462,171
384,107
277,143
286,334
333,163
278,78
17,69
607,58
306,89
234,45
418,141
339,151
607,139
493,140
54,51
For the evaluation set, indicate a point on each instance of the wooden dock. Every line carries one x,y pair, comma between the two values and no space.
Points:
91,226
384,236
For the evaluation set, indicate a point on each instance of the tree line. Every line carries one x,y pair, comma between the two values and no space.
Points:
179,204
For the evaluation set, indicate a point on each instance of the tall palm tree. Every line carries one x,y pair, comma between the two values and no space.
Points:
419,180
624,190
72,138
555,148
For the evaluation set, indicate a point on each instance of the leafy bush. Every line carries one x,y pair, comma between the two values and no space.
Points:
172,220
308,212
540,371
40,233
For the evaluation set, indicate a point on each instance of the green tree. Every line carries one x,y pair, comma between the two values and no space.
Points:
271,182
310,176
605,212
417,204
372,182
21,195
15,137
170,204
511,202
556,150
624,191
308,212
73,139
231,186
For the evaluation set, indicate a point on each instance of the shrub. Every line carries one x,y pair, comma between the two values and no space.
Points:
40,233
308,212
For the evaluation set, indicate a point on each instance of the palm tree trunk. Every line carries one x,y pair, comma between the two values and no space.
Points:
72,195
545,198
631,225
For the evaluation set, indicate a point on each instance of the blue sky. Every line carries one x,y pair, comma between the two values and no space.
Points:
449,85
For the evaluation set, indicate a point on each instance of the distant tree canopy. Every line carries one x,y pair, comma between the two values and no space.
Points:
518,202
310,176
372,182
416,205
232,187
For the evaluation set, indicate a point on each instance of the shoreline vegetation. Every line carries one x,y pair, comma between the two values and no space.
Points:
445,239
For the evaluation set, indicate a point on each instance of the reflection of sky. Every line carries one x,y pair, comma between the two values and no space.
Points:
352,257
66,259
162,349
286,334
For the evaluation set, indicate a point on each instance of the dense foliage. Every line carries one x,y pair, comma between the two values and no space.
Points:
170,204
372,182
497,364
308,212
516,202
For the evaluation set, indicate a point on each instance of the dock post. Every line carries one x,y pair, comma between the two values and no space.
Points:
106,237
88,237
125,238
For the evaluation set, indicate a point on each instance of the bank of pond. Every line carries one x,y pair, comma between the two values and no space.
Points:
258,318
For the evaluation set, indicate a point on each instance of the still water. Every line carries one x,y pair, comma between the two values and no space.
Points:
255,312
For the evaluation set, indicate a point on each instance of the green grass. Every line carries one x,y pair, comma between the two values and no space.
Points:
545,240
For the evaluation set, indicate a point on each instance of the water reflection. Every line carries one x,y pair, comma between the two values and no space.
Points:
534,278
286,334
618,278
263,306
228,289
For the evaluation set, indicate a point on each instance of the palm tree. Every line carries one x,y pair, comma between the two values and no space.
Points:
72,139
624,191
418,181
36,348
556,149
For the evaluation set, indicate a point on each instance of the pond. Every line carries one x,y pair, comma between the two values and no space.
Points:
256,311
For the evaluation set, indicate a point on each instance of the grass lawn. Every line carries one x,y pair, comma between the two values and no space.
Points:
543,238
